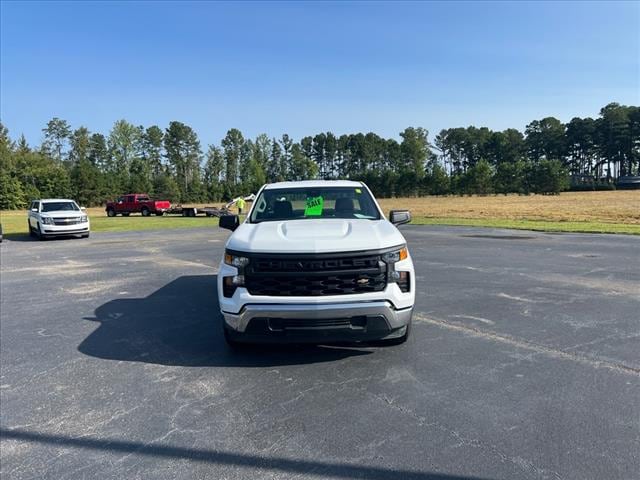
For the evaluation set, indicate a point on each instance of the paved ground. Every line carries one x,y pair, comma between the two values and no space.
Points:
523,364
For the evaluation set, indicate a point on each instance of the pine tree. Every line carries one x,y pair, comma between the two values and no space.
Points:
232,146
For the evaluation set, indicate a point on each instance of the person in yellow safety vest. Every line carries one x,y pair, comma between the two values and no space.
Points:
240,204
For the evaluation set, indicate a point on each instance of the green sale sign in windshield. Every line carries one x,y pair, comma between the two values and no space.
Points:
314,207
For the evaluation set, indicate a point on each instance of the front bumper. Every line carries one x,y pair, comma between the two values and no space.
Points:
356,321
317,319
76,229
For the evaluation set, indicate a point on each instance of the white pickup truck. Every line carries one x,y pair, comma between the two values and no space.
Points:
316,261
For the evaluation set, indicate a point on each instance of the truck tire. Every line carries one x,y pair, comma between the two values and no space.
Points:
111,212
31,232
84,235
145,212
41,236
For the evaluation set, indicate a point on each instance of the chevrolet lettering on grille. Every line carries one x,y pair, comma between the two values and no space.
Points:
273,265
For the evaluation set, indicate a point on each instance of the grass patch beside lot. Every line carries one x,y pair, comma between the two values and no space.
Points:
14,222
589,212
537,225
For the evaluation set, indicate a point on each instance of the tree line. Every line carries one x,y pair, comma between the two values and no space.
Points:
548,157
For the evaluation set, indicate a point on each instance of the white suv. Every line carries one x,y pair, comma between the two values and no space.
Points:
55,217
316,261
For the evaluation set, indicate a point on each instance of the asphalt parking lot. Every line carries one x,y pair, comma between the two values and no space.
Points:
524,363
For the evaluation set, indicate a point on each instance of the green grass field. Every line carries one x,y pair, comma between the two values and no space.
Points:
586,212
536,225
14,223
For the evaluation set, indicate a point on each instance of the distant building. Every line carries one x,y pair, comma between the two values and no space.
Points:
582,179
628,183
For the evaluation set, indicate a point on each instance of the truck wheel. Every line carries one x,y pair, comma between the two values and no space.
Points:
41,236
31,232
111,212
145,212
84,235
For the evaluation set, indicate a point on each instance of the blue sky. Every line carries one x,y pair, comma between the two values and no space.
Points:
307,67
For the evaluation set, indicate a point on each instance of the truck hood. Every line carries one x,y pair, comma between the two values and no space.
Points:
315,236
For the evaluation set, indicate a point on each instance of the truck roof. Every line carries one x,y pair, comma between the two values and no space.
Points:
314,183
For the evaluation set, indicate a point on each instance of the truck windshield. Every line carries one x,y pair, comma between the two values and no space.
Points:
313,203
59,206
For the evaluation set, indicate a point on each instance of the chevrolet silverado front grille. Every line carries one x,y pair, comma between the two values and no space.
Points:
303,276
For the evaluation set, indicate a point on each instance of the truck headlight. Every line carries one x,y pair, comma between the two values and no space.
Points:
84,219
396,255
403,279
235,260
47,220
230,285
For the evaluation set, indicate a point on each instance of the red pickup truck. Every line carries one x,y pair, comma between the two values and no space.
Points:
137,202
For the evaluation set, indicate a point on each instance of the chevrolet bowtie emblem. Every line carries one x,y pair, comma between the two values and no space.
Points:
363,281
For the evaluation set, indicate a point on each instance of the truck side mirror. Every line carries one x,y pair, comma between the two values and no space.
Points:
34,209
230,222
399,217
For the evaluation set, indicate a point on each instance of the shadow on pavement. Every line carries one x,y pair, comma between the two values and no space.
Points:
17,237
25,237
223,458
180,325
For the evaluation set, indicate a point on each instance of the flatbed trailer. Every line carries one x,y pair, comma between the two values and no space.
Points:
208,211
195,211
